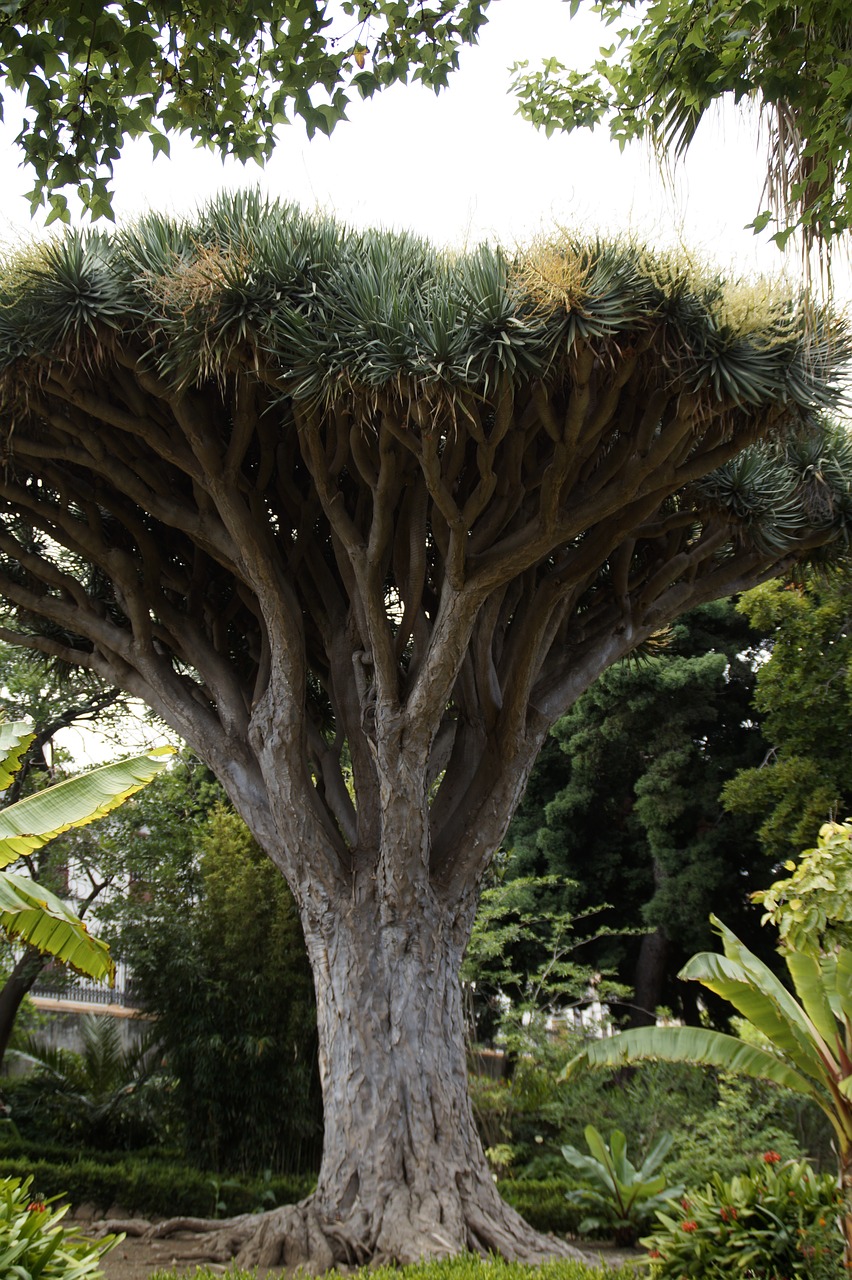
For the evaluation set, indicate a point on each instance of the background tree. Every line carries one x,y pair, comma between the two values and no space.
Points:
212,937
670,63
94,75
803,697
624,804
361,520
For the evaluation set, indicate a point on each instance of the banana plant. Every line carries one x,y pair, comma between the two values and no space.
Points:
809,1035
29,912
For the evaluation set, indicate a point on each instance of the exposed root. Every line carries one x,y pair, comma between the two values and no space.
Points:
405,1231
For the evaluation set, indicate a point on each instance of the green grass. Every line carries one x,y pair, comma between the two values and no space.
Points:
465,1267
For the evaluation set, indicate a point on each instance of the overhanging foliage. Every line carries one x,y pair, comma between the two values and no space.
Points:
670,63
94,75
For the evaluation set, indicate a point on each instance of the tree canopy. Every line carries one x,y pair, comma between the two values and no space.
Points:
94,75
671,62
360,519
803,697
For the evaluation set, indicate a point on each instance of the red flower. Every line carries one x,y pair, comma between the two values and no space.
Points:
684,1204
770,1157
654,1253
36,1206
689,1226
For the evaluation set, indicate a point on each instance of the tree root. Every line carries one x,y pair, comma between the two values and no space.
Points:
299,1235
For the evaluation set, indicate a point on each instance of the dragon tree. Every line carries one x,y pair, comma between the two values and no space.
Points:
360,518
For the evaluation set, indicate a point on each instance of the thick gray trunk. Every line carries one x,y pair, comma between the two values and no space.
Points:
401,1152
403,1173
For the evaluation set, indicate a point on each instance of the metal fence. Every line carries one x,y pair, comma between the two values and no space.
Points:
83,991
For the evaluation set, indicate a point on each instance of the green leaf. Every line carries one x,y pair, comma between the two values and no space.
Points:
624,1171
788,1031
597,1146
698,1046
32,914
15,738
160,145
810,981
30,823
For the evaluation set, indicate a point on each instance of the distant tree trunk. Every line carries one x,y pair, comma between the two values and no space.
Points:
650,979
20,982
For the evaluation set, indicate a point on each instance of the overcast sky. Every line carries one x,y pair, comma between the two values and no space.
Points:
462,166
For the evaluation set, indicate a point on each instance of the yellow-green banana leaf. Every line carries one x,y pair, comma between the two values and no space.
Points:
30,823
31,914
15,737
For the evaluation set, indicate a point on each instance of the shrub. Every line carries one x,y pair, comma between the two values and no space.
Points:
621,1198
154,1188
724,1139
32,1243
544,1204
777,1219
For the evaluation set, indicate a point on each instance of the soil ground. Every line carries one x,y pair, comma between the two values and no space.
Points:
138,1259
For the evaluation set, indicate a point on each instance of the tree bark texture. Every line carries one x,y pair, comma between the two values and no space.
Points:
397,1072
21,980
650,977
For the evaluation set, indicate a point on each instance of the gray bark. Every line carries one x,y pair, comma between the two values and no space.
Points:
392,1061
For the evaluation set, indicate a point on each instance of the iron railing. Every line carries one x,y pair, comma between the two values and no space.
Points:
83,991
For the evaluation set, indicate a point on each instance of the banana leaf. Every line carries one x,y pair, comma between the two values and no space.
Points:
31,914
15,737
811,980
30,823
761,974
788,1028
698,1046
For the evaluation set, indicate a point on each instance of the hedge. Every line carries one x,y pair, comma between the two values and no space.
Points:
543,1204
154,1187
151,1188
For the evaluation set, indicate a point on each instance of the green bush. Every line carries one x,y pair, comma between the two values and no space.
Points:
618,1197
723,1139
32,1242
60,1101
777,1219
544,1204
155,1188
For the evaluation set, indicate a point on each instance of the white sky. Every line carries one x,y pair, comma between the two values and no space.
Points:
463,166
